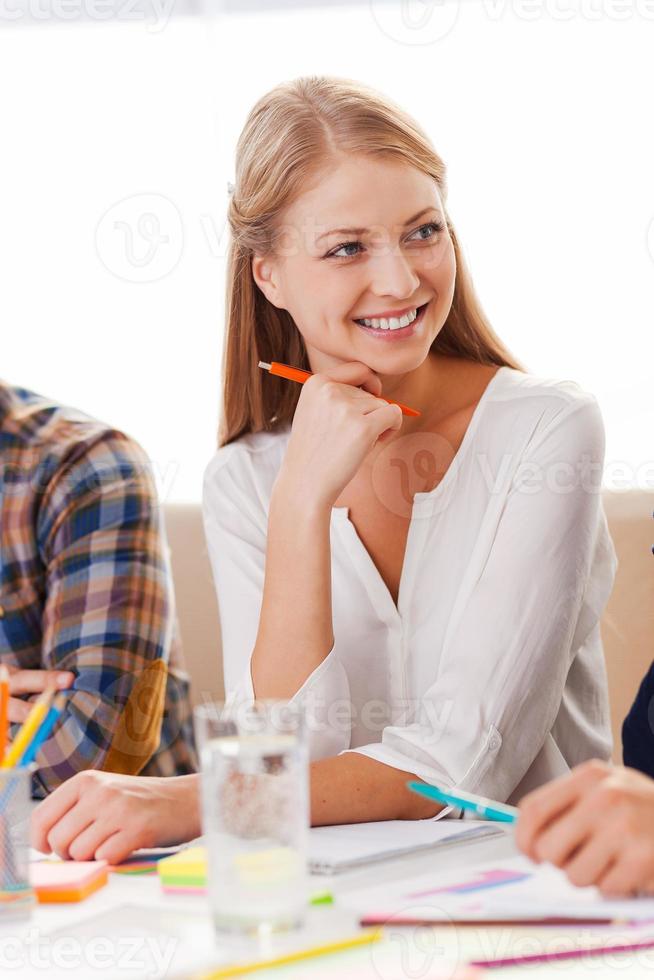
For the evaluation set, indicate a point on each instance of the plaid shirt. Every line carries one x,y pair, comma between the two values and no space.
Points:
85,584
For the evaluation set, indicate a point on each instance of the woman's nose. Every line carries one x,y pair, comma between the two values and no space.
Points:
394,275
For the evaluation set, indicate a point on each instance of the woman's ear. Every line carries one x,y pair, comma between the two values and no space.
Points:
266,277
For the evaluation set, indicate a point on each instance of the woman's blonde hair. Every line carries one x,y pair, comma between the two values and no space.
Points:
293,134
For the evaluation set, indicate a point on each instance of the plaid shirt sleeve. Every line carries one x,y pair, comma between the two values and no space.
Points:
108,609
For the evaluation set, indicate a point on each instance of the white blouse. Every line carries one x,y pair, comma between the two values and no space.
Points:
489,674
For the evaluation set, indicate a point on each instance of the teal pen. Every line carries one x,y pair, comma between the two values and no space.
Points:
488,809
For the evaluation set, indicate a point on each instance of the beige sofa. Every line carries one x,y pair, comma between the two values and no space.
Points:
628,624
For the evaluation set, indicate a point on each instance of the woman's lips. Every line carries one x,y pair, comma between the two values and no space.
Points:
399,334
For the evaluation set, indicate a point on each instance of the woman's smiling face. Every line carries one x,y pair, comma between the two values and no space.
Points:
369,240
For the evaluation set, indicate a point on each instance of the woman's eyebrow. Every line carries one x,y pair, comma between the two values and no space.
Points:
363,231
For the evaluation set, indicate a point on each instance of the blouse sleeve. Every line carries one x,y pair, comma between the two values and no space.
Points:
511,640
235,523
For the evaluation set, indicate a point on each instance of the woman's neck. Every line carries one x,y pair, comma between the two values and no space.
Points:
421,389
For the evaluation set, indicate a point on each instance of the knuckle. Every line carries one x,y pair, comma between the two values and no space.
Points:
104,797
315,381
594,768
89,785
546,851
57,843
532,807
86,777
610,794
80,851
577,876
328,388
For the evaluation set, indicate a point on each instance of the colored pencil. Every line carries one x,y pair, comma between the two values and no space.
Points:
28,729
237,969
563,920
566,954
297,374
44,731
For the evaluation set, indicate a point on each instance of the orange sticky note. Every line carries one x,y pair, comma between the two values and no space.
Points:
67,881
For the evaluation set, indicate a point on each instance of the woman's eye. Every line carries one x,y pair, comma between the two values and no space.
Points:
434,228
346,245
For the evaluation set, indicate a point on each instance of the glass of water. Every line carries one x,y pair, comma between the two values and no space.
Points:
255,811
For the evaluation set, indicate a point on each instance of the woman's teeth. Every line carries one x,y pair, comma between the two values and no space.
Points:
393,323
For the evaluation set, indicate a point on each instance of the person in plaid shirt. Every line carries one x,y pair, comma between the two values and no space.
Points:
86,598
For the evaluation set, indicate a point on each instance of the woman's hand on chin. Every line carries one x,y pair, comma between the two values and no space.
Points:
103,815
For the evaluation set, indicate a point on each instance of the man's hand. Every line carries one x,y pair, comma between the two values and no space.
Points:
103,815
597,824
22,683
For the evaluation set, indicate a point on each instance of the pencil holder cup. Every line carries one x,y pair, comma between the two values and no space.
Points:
16,896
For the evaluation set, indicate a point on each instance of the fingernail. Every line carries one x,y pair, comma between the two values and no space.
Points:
63,680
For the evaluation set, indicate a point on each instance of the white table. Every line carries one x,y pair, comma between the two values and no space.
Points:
131,929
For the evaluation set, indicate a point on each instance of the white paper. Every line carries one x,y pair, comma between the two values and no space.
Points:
536,892
344,846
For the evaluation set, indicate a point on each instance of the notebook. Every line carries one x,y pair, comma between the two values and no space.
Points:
341,847
346,846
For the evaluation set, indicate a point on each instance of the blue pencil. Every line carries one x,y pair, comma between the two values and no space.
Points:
44,731
488,809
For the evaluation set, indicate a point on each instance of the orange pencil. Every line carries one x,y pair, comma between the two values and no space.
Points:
4,709
297,374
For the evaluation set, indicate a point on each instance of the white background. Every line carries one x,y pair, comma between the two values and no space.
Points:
111,113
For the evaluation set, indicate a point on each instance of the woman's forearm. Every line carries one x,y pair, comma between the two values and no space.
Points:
295,626
367,790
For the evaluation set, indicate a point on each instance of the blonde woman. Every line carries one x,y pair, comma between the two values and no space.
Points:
429,586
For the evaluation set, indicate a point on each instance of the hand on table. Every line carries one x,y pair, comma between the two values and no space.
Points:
597,824
104,815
